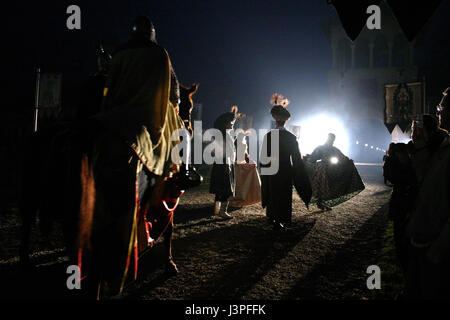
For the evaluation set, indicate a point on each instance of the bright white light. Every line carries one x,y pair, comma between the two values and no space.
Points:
366,145
334,160
314,132
357,142
371,147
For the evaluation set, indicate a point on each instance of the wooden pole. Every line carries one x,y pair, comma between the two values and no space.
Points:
36,103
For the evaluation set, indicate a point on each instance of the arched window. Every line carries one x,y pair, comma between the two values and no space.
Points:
400,51
362,53
380,52
343,54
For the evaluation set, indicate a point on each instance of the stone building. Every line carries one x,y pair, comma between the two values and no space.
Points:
360,69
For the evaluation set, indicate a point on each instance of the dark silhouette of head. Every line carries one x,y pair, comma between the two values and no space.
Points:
330,139
142,27
186,104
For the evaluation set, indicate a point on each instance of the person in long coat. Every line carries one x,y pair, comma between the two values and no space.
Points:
334,177
222,183
276,189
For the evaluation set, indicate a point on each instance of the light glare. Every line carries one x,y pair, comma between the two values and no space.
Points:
315,130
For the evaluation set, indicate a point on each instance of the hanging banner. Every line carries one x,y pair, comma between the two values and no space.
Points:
50,94
403,102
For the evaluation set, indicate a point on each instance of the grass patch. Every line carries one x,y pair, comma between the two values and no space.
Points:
391,274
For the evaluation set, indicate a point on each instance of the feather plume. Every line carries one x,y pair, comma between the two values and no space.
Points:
284,102
276,97
234,109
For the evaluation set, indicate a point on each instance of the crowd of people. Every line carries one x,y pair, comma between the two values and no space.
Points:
419,172
326,177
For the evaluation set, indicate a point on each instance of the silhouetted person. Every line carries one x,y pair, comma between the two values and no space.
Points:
387,166
335,178
428,228
222,183
139,117
276,189
92,94
326,151
399,172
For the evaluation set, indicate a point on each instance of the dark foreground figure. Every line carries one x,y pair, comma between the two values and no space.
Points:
111,182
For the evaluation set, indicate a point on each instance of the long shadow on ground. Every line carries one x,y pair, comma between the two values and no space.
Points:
222,263
343,275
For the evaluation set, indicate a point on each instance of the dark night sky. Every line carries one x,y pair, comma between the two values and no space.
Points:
242,52
239,51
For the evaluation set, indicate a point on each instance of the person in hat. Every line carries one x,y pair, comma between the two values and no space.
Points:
276,189
222,183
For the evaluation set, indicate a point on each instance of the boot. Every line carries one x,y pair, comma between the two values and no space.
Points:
216,208
223,210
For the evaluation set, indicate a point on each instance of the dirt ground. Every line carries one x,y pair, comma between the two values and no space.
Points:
322,255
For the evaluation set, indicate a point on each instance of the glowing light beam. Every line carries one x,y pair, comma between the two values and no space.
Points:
314,132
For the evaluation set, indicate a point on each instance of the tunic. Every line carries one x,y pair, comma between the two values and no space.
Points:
137,107
276,190
222,182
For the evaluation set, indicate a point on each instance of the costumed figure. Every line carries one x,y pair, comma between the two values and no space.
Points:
334,176
248,182
222,182
133,160
92,94
276,189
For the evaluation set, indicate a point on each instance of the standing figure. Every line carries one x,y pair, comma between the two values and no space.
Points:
248,182
428,227
398,170
92,94
222,175
334,176
133,155
276,189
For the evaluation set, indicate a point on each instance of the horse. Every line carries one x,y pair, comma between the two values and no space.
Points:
89,208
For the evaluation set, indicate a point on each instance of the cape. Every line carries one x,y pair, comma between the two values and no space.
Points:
137,105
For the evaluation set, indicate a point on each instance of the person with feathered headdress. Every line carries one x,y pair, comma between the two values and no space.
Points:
276,189
222,183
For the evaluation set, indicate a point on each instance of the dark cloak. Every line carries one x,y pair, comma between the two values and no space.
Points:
276,190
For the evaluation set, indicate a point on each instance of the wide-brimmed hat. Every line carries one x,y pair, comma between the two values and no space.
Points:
279,111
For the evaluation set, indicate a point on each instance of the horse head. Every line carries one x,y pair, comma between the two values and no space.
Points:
187,104
188,176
